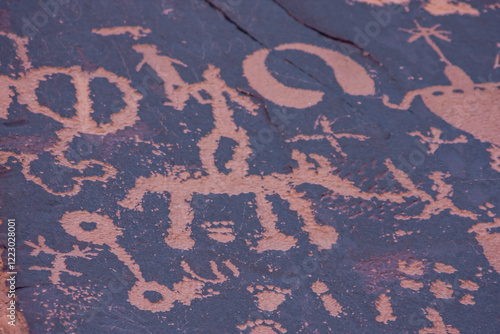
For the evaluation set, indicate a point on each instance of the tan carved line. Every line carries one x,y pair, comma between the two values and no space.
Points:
21,45
135,31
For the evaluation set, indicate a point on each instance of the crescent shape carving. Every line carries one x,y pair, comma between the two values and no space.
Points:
351,76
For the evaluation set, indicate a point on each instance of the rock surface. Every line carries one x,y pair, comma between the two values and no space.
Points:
227,166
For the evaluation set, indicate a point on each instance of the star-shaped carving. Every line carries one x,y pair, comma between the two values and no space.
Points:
426,33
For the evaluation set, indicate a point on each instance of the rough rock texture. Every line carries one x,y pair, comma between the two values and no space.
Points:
226,166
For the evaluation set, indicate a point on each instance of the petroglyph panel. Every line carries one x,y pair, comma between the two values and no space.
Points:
252,167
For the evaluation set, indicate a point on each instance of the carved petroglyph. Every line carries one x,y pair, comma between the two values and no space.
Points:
444,268
331,304
433,139
261,326
496,64
441,289
411,284
468,285
384,2
328,135
220,231
438,324
351,76
490,241
467,299
471,107
415,268
447,7
488,207
182,190
383,305
495,157
434,7
420,276
59,264
183,186
175,87
136,32
269,297
104,232
435,206
81,123
21,46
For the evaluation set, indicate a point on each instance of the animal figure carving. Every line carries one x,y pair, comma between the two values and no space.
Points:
469,106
